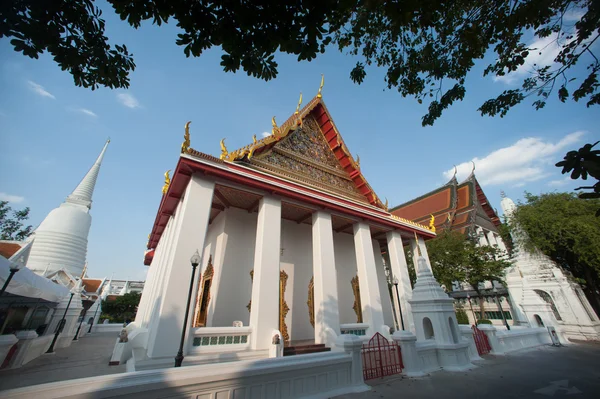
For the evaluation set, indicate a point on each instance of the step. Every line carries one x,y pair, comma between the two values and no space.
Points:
304,349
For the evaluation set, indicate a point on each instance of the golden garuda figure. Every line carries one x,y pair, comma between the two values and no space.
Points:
167,182
431,223
186,138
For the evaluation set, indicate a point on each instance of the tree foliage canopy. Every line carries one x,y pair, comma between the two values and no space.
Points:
420,43
11,227
563,227
123,308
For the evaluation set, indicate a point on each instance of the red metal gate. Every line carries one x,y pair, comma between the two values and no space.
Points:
381,358
481,341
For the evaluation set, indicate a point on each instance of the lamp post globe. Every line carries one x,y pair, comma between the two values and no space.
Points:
195,261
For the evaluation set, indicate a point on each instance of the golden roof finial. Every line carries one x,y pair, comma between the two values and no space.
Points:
275,131
167,182
254,139
386,204
224,152
417,243
186,138
299,104
319,95
358,160
431,223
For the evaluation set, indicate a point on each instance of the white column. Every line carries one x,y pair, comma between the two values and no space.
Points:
264,315
325,278
500,242
481,236
491,239
367,279
188,237
400,271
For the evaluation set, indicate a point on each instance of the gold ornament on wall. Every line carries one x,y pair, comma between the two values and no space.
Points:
432,223
311,301
357,303
283,306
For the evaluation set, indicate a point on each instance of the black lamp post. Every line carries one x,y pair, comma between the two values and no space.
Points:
76,337
94,318
500,308
471,306
60,326
389,283
195,260
399,304
15,267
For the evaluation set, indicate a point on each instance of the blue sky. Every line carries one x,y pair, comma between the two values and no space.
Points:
51,132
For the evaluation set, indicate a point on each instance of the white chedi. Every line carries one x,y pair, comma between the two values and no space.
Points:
61,239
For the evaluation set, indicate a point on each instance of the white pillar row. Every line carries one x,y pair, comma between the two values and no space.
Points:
400,271
481,236
326,311
264,314
415,252
144,309
491,239
367,279
500,242
188,236
166,244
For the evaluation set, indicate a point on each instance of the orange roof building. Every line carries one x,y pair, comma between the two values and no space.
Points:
461,207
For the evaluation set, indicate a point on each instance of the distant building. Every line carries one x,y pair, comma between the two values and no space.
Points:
537,289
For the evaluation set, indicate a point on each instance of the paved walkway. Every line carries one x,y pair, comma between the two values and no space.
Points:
537,373
88,357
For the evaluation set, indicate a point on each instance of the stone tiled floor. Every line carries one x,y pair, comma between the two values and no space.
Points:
537,373
87,358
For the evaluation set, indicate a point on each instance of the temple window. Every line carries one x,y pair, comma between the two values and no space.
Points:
548,299
204,295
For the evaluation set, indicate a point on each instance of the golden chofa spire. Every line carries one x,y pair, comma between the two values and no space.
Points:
432,223
186,139
319,95
299,104
224,152
167,182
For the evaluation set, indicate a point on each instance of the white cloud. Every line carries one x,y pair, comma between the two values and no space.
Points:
559,183
524,161
11,198
87,112
128,100
265,134
39,89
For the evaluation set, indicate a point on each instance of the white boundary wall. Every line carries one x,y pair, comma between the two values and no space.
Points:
321,375
516,339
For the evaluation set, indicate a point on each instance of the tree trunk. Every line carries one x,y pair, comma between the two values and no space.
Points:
481,307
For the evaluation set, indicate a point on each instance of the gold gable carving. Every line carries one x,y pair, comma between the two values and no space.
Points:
304,156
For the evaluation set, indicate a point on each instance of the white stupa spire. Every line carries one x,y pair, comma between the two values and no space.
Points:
61,239
84,191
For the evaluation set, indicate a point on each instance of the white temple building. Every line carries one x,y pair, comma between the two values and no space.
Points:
557,300
289,233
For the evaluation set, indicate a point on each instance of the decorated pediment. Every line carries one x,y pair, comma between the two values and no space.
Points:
305,156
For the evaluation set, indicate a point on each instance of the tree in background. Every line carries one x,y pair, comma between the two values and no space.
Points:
122,308
563,227
11,227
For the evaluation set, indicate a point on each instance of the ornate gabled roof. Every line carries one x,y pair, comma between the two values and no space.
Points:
459,206
308,148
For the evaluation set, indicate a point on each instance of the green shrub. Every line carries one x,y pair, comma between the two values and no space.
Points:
461,316
484,321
